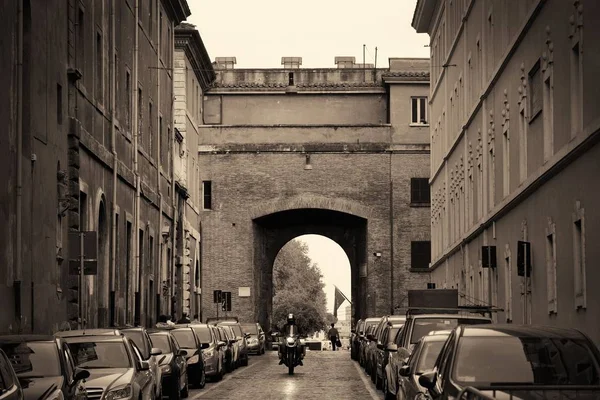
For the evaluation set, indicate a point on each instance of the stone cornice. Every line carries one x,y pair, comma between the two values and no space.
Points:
188,39
178,10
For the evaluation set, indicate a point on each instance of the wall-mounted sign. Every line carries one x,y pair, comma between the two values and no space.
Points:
244,291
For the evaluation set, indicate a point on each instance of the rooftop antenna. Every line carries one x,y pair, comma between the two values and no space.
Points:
375,57
364,71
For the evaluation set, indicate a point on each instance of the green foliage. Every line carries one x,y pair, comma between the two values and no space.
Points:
298,289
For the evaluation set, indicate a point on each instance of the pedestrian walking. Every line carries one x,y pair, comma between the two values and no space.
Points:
184,319
334,336
195,320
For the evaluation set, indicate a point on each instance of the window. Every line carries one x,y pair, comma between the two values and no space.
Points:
150,17
419,111
420,253
128,110
207,195
99,68
160,139
419,191
551,267
535,91
508,286
80,51
59,104
548,115
579,257
576,90
140,114
150,130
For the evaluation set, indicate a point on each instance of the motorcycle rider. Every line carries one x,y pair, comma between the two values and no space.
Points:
291,329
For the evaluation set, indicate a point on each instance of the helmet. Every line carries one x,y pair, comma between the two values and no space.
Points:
291,319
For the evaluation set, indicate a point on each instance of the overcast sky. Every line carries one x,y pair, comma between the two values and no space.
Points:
260,32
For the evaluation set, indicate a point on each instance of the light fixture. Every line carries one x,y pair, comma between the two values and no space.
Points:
377,254
307,165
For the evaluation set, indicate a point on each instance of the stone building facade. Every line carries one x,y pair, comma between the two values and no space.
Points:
193,74
331,151
515,156
88,149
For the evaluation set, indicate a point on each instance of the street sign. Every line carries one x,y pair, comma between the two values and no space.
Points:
217,296
226,303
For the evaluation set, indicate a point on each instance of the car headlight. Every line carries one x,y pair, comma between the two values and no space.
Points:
123,392
193,359
165,369
57,395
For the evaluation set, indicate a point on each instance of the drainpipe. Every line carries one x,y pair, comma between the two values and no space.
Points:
172,161
135,134
113,149
17,268
391,236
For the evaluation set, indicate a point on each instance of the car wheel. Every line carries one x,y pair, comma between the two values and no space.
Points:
185,392
202,379
245,362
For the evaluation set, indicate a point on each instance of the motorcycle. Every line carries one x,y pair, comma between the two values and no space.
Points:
291,351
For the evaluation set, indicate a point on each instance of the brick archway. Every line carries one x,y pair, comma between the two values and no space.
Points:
274,230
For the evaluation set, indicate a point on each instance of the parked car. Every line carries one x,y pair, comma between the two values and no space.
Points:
228,349
172,363
403,384
241,339
382,353
10,388
256,339
355,339
212,352
44,367
140,337
369,328
187,340
235,345
516,361
117,370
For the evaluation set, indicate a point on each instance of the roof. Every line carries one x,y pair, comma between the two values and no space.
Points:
373,319
408,74
435,338
26,338
284,85
88,332
94,338
449,316
162,332
539,331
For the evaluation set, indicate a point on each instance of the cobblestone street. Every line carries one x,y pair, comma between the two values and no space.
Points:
325,375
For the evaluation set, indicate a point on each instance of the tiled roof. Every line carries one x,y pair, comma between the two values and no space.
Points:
322,85
407,74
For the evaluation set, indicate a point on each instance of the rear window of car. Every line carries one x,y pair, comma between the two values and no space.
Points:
185,338
161,342
250,328
525,360
90,355
138,339
203,333
422,326
29,359
428,355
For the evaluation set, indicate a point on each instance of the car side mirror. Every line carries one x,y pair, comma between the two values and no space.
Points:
428,380
232,341
143,366
370,337
155,351
404,371
80,374
393,347
205,345
182,353
221,344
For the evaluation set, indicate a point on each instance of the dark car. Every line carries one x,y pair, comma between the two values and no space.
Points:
406,382
172,364
10,388
256,338
188,341
228,349
213,353
140,337
45,367
355,339
369,329
241,338
517,361
389,328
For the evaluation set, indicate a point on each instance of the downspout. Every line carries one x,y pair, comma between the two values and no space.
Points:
391,237
135,134
172,170
158,274
18,272
113,149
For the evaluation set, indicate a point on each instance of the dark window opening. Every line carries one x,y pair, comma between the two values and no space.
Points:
420,254
99,67
59,104
291,79
419,191
207,194
535,91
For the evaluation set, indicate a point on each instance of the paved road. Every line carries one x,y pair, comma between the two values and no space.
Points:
325,375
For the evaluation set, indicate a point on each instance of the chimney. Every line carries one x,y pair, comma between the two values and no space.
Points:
291,62
345,62
225,62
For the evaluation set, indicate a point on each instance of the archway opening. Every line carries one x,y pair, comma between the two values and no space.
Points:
273,231
312,279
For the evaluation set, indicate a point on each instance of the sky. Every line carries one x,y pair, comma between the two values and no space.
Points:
259,32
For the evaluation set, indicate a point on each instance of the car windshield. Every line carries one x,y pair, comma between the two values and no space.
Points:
138,339
392,334
429,353
251,329
185,339
423,326
100,355
161,342
33,359
203,333
237,330
526,360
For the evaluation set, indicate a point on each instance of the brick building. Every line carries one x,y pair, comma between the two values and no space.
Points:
342,152
515,156
91,122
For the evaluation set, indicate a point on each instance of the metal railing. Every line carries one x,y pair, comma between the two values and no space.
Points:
483,310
